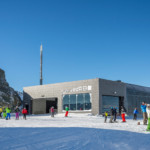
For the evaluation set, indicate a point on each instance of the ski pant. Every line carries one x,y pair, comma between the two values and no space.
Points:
17,115
66,115
0,114
111,119
135,117
52,114
123,117
148,126
24,116
8,115
144,118
105,119
115,116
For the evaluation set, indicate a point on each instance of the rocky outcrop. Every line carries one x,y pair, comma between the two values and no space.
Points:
7,94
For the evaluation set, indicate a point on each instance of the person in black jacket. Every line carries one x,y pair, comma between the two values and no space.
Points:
115,114
17,110
112,115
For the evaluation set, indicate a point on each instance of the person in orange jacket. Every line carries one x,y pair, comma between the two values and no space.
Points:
24,112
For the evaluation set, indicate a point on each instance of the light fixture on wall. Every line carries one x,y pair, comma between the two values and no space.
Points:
42,95
115,92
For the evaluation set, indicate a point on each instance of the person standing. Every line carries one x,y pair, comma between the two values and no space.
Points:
1,110
67,110
8,110
148,114
112,115
4,112
143,107
115,114
52,111
123,111
17,110
24,112
135,112
106,114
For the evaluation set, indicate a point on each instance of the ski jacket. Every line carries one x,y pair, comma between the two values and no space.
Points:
1,110
8,110
17,110
112,112
135,111
4,110
67,109
52,109
143,107
24,111
106,114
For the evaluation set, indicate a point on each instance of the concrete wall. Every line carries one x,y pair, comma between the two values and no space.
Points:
36,93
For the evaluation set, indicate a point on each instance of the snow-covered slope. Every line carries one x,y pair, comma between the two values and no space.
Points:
77,132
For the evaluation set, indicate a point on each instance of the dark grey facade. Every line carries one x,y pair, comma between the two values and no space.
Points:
93,95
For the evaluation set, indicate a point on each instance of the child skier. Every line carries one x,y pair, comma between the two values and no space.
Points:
148,114
4,112
135,112
67,109
24,112
123,114
106,114
1,110
8,110
17,110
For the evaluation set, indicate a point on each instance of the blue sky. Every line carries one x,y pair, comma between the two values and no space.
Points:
82,39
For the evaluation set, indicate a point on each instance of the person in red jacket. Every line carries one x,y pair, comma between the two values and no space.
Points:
52,111
24,112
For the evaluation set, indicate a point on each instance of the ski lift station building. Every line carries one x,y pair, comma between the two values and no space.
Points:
94,95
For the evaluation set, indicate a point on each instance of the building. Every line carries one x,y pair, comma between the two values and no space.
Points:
93,95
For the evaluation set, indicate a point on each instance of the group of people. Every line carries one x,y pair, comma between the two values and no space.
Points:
145,110
5,112
52,111
113,114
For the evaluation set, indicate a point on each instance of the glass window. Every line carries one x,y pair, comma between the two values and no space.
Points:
87,101
80,102
108,102
73,102
77,101
65,101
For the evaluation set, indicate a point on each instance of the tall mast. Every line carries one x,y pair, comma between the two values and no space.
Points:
41,53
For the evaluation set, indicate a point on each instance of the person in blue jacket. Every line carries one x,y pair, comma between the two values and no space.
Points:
135,112
143,107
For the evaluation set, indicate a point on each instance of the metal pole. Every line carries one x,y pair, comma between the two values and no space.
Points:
41,51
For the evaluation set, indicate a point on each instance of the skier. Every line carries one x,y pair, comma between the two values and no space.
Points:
123,110
8,110
52,111
17,110
4,112
112,115
148,113
24,112
135,112
1,110
106,114
115,114
143,107
67,109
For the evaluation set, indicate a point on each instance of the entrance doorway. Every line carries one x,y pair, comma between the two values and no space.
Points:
51,102
112,101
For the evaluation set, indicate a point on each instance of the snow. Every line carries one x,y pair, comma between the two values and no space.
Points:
77,132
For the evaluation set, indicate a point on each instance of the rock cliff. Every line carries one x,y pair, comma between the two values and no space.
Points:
7,94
